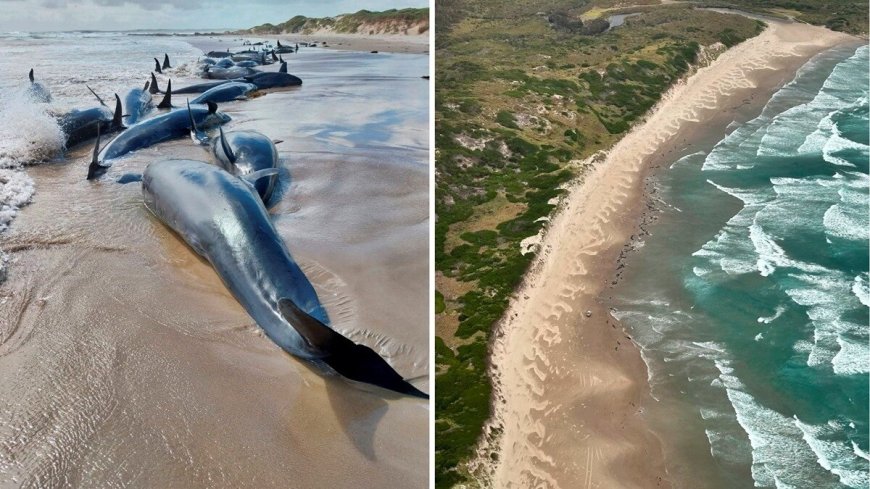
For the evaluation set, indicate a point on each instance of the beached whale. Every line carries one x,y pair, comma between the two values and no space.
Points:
81,125
224,63
197,88
223,219
225,92
228,73
171,125
247,152
37,91
137,103
273,80
219,54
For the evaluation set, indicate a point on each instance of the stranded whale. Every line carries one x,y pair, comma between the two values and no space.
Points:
247,152
171,125
221,217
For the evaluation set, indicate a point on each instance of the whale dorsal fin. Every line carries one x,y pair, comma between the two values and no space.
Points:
279,43
283,67
166,61
117,120
212,107
167,99
153,88
147,84
355,362
30,75
98,97
157,66
94,168
226,146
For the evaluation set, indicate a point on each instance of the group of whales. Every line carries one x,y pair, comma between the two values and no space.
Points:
220,211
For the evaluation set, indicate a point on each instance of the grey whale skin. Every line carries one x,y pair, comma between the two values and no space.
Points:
225,92
171,125
221,217
137,103
81,125
245,152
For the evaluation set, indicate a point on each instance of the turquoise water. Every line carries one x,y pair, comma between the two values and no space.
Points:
750,298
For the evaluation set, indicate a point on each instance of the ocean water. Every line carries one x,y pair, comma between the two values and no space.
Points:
750,297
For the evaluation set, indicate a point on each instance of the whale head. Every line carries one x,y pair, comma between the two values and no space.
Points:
353,361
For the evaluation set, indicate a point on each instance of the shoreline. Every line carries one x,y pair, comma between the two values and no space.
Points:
401,44
550,427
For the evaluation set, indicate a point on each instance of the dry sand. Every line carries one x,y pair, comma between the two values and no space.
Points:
569,389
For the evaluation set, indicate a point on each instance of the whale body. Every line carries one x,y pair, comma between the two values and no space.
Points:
247,152
223,219
171,125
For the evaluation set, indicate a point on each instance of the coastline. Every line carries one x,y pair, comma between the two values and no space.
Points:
404,44
568,401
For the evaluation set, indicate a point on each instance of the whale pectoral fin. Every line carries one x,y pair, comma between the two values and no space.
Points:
355,362
251,178
195,134
98,97
228,151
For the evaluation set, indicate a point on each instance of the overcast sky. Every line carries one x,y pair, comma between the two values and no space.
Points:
59,15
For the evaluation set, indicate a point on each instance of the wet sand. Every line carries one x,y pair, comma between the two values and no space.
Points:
570,385
124,361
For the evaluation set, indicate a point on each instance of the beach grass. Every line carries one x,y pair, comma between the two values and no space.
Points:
520,103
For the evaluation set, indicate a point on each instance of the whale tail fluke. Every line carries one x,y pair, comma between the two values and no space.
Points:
118,119
153,89
166,61
157,66
95,169
167,98
355,362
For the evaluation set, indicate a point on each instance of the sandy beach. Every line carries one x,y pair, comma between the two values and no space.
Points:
125,361
410,44
569,384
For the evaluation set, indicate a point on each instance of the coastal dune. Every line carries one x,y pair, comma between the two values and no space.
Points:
569,384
